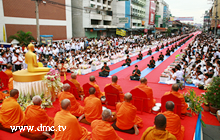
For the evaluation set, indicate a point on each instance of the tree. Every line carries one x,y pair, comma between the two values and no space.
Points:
22,37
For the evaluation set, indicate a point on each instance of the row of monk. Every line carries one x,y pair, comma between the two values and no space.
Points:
124,120
167,124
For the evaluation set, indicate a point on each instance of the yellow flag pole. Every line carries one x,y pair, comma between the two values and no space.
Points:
4,35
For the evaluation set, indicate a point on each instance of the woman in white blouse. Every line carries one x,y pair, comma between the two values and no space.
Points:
172,77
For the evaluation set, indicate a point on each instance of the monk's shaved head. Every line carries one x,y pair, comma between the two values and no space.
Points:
65,103
128,97
36,100
92,90
114,78
73,76
143,80
66,87
175,87
92,78
14,92
106,114
169,106
160,122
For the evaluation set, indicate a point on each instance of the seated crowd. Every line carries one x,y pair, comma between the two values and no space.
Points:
103,121
200,62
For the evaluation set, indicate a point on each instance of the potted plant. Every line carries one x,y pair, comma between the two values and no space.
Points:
213,95
206,104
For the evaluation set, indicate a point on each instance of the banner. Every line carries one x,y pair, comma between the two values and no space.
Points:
120,32
4,35
152,12
183,18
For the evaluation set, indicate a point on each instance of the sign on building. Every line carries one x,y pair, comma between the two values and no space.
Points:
123,20
152,12
120,32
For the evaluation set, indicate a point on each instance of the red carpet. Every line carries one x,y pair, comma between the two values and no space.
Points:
127,86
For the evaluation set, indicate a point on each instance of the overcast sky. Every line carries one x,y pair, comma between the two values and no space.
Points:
189,8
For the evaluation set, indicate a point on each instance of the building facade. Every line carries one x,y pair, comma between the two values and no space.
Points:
54,19
162,14
92,18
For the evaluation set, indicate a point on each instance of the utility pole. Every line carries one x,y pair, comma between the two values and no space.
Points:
216,16
37,21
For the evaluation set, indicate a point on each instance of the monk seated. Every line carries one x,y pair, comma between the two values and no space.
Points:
66,126
174,91
35,116
173,121
162,46
9,71
158,132
136,74
118,87
157,49
77,84
76,109
149,51
104,70
161,56
127,120
172,49
149,94
98,92
152,63
93,108
127,61
140,56
11,113
102,129
167,52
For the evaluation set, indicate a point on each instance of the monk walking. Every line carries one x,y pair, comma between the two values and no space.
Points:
66,125
93,108
11,113
76,109
36,116
173,122
158,132
127,120
77,84
149,94
174,91
98,93
118,87
102,129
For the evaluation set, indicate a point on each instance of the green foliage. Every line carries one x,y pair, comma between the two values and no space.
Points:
212,94
22,37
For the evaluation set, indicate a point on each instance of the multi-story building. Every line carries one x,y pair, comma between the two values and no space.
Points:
162,13
54,18
92,18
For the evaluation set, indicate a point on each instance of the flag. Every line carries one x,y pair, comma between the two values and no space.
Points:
4,35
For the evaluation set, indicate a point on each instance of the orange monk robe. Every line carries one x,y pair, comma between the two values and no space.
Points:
181,97
98,93
11,113
93,108
154,134
10,87
174,125
76,108
35,116
9,73
78,87
118,87
126,116
102,130
67,127
149,93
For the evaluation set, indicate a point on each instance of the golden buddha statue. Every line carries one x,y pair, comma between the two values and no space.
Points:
31,61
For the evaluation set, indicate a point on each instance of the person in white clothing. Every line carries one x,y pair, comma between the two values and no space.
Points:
17,61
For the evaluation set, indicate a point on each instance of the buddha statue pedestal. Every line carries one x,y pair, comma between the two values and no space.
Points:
29,83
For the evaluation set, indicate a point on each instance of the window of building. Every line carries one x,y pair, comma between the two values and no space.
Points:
95,22
107,22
